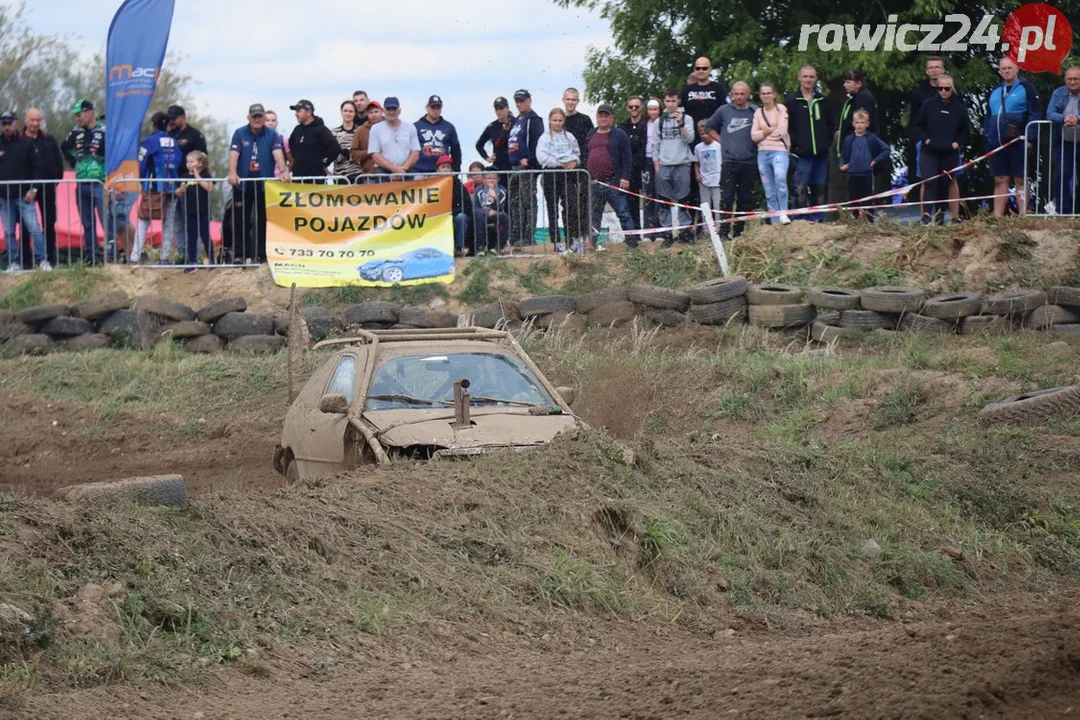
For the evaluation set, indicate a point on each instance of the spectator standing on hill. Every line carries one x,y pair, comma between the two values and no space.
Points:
196,202
159,162
1063,111
19,161
358,152
1009,108
188,137
607,157
770,132
84,148
811,126
314,147
438,137
707,169
52,165
858,98
558,150
345,133
731,125
498,134
702,96
577,191
648,172
672,159
360,100
636,128
394,145
861,152
942,129
521,149
927,90
253,153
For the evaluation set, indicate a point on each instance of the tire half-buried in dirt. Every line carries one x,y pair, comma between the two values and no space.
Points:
1040,406
167,490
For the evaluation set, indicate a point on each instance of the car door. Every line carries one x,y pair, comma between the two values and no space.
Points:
319,438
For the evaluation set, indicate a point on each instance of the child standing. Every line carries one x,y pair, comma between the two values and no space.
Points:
558,150
859,155
707,169
195,198
490,216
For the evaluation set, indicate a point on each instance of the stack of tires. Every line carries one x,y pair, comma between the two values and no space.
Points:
551,312
1060,314
391,316
719,301
777,306
832,304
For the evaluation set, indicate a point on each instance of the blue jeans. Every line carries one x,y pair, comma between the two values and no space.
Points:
461,226
12,210
602,194
91,199
810,175
773,167
1064,190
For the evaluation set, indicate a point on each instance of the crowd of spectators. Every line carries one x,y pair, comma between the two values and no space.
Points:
703,144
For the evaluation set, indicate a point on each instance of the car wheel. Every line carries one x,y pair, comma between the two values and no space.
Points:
292,470
393,275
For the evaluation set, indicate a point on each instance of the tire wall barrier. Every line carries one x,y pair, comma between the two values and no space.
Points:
118,321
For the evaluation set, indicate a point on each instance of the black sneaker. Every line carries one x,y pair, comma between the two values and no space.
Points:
668,242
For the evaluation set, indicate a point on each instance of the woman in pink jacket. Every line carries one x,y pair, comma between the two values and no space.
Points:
770,132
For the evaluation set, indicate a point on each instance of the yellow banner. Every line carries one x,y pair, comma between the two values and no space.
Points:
373,235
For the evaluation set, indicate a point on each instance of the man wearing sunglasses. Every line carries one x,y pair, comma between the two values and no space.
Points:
701,98
636,127
942,129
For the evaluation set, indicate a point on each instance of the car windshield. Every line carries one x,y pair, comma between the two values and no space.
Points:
416,381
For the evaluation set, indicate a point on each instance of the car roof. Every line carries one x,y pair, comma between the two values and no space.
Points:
395,343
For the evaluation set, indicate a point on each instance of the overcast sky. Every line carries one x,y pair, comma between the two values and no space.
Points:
279,51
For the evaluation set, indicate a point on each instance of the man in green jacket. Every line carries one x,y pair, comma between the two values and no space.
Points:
84,149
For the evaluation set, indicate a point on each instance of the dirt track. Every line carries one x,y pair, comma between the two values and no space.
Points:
1018,657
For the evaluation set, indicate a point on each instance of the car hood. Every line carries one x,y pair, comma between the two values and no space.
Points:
491,427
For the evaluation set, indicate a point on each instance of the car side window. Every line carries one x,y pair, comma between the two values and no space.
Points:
344,379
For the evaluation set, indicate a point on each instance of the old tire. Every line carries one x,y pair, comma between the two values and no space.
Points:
718,290
119,321
424,318
829,318
7,317
204,345
1013,302
658,297
35,344
544,305
369,312
588,302
720,313
321,327
952,306
41,313
983,324
164,308
665,317
774,294
65,326
923,325
614,314
243,324
258,344
892,299
1040,406
81,343
220,308
824,333
1063,295
781,316
491,315
14,329
834,298
100,305
866,320
184,330
165,490
1047,316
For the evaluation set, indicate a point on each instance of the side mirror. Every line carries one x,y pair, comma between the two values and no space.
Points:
567,394
333,404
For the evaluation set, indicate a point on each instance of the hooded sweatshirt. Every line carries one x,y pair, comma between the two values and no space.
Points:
858,151
18,161
556,148
670,146
314,148
437,139
524,135
810,124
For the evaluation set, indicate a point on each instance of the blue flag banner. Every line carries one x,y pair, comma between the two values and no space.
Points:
135,52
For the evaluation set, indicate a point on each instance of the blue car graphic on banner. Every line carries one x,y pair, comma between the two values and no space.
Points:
413,265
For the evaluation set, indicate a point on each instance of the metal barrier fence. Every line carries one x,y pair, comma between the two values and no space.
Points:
1050,169
46,225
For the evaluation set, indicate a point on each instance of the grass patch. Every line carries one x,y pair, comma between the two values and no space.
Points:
477,290
667,269
72,282
535,280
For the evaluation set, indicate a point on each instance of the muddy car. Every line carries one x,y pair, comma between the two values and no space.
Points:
419,395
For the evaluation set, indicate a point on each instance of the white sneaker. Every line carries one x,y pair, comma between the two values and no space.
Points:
45,266
13,270
560,248
1050,208
784,219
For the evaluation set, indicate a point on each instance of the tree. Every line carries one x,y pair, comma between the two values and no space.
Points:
656,41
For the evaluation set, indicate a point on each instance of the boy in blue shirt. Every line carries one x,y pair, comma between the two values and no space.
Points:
860,154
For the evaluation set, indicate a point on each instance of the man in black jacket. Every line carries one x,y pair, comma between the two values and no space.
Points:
52,163
927,90
313,147
941,128
19,161
811,126
636,127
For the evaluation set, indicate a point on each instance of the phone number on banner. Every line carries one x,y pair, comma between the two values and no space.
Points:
324,254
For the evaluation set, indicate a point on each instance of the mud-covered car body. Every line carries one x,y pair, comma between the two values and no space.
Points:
419,395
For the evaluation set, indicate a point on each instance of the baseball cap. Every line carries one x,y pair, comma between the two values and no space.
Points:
8,116
606,109
501,102
434,100
256,109
80,105
374,104
522,95
391,103
442,158
175,111
303,105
